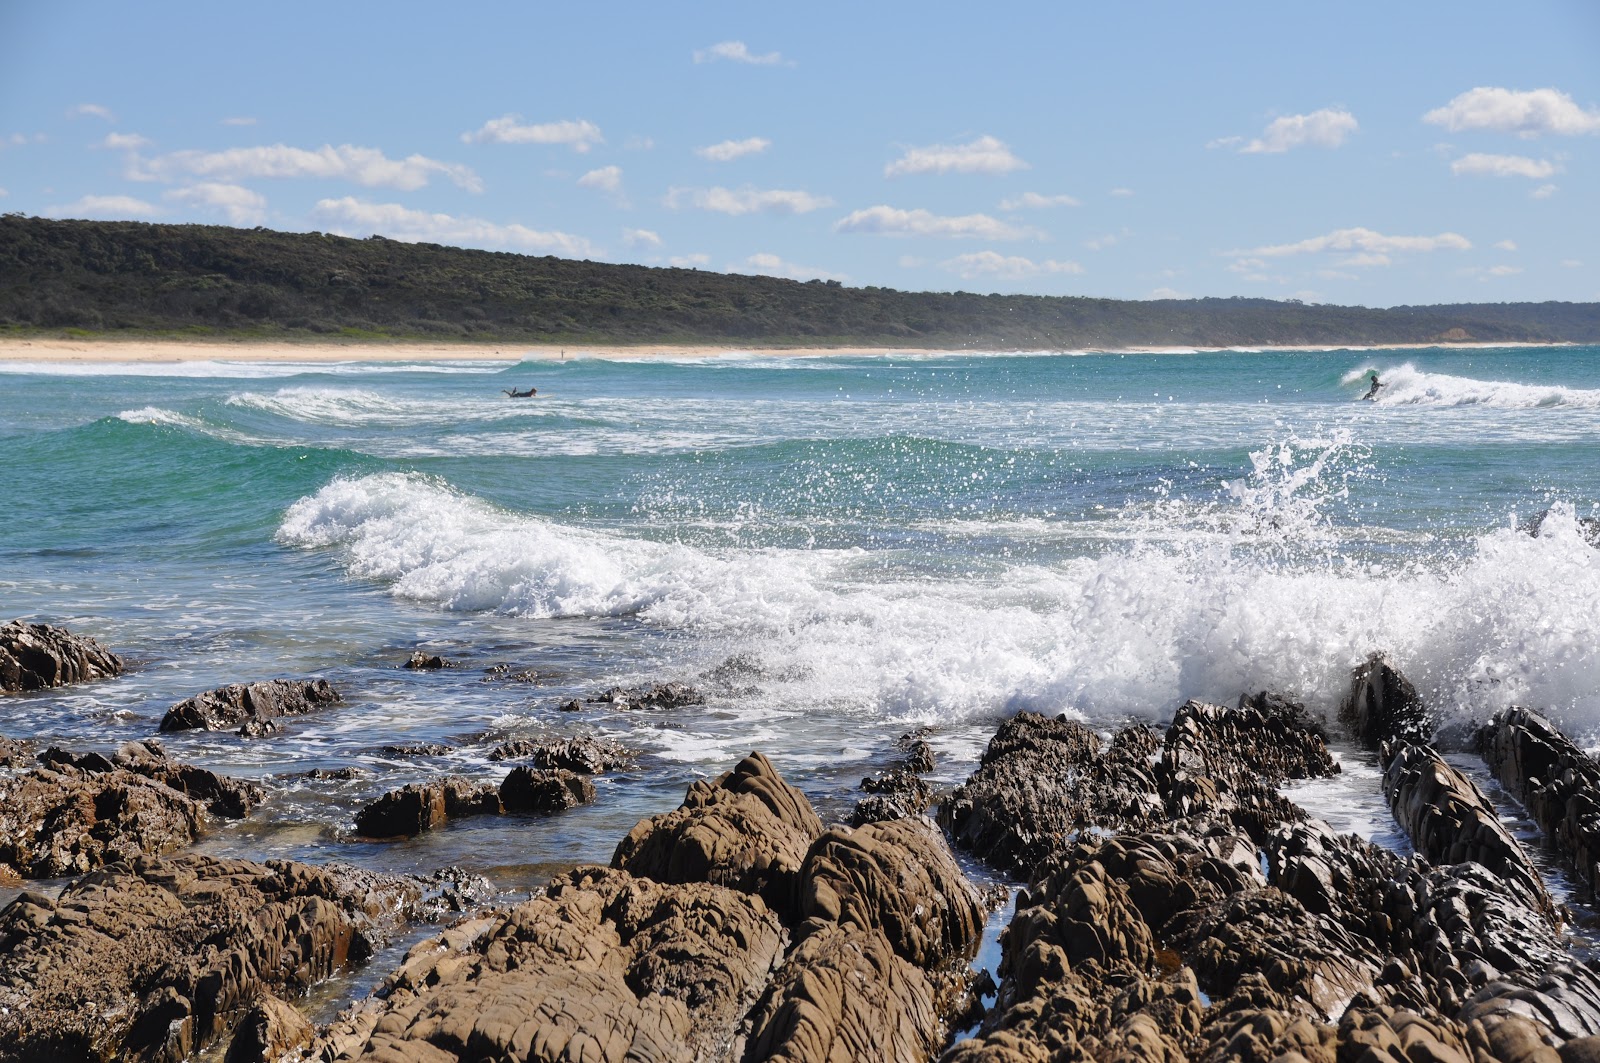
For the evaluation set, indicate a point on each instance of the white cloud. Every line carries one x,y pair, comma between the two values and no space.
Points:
1326,128
3,193
737,52
1122,192
1169,293
1527,114
1224,142
92,110
694,261
578,134
891,221
641,238
1503,166
1006,267
1035,201
17,140
239,120
1366,259
364,166
1100,243
358,217
241,205
605,179
1504,271
1545,191
770,265
1337,275
1507,245
1359,240
638,143
729,150
111,208
124,142
1246,265
1572,263
984,155
746,200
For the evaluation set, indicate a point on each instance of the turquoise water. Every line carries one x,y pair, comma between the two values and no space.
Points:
835,549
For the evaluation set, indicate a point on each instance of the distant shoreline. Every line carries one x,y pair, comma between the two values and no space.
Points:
168,350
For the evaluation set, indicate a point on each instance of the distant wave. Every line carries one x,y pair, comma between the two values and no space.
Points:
1132,630
1406,385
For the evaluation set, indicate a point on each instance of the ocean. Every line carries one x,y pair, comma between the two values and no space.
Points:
836,550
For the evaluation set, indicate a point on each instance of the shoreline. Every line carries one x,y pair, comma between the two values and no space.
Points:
113,351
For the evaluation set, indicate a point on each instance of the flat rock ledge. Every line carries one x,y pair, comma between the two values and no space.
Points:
157,957
39,656
420,807
74,813
1179,907
251,708
732,929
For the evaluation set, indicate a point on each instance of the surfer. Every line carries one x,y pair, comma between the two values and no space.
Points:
515,394
1372,395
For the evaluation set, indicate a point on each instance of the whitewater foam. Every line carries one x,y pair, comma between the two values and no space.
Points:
1406,385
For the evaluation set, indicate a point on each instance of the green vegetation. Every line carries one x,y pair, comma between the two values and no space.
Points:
131,278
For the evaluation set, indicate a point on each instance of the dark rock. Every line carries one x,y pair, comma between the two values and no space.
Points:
918,753
545,791
504,673
420,807
1588,527
571,706
417,749
656,696
269,1031
222,796
748,830
1558,783
1383,706
895,795
424,662
15,753
230,706
39,656
156,958
585,755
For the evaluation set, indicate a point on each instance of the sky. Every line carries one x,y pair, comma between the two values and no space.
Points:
1354,152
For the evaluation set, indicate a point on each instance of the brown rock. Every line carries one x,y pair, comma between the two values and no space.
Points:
584,755
39,656
545,792
420,807
269,1031
426,662
249,704
1383,706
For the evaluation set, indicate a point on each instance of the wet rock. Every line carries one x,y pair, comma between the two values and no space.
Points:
584,755
1556,782
427,662
418,749
896,794
545,791
15,753
918,753
419,807
1588,527
504,673
40,656
269,1031
656,696
748,830
155,958
1383,706
76,812
249,703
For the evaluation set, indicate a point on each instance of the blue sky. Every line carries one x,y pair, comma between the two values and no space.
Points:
1372,153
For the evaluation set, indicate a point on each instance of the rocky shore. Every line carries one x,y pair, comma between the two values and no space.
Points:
1175,903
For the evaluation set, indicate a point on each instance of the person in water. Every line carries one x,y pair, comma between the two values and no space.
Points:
1373,394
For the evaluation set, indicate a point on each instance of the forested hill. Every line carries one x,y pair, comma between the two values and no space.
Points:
131,277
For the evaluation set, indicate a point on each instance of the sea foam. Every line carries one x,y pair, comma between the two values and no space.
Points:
1406,385
1129,631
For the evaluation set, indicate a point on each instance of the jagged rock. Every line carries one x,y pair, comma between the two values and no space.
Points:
1556,782
155,958
417,749
39,656
1383,706
419,807
896,794
584,755
269,1031
76,812
601,966
1588,527
897,877
546,791
503,673
748,830
249,704
655,696
918,753
426,662
15,753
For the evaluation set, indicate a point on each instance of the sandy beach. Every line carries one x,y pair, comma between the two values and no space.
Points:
164,350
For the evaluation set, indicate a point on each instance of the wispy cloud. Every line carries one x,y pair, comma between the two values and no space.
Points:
1005,267
356,217
1527,114
984,155
738,52
125,142
729,150
1122,192
363,166
1506,245
1326,128
641,238
240,205
892,221
1168,293
694,261
1360,240
605,179
746,200
1544,191
1503,166
111,208
1036,201
92,110
578,134
769,265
